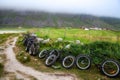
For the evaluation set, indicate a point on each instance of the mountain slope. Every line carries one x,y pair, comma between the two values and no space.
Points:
43,19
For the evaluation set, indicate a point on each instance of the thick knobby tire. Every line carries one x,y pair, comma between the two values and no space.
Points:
55,52
108,70
50,60
83,62
43,53
67,59
37,49
27,47
32,50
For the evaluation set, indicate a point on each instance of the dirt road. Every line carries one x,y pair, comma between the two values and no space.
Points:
25,73
12,31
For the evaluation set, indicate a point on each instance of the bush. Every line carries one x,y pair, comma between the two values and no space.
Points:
103,50
98,50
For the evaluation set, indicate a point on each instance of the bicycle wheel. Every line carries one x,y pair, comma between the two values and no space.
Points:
50,60
27,46
43,53
55,52
83,62
32,50
110,68
68,61
36,50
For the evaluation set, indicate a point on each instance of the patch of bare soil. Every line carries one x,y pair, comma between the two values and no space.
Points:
26,73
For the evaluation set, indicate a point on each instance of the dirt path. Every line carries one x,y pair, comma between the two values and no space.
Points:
25,73
11,31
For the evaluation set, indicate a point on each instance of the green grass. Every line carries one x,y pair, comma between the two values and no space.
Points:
78,34
4,37
73,34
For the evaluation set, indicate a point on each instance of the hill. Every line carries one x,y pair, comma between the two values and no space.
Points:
44,19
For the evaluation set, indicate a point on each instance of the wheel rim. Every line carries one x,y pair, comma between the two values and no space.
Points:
42,54
68,62
55,52
83,62
50,60
110,68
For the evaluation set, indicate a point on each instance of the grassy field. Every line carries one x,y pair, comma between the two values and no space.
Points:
78,34
71,34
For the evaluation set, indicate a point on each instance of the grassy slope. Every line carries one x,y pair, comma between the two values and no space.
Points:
78,34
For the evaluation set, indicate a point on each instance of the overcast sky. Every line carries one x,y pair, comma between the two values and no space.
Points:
94,7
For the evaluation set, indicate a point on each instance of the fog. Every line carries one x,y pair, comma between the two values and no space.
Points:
94,7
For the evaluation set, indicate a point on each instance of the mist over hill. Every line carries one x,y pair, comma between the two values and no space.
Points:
10,18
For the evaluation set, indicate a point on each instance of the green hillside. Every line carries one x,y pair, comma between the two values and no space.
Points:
10,18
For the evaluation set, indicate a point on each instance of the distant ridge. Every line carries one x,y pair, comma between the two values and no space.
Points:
43,19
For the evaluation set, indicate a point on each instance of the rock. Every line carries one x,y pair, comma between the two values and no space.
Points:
40,39
35,59
46,41
67,46
77,41
98,79
59,40
25,58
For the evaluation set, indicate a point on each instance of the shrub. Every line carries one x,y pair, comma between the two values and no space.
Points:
103,50
98,50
